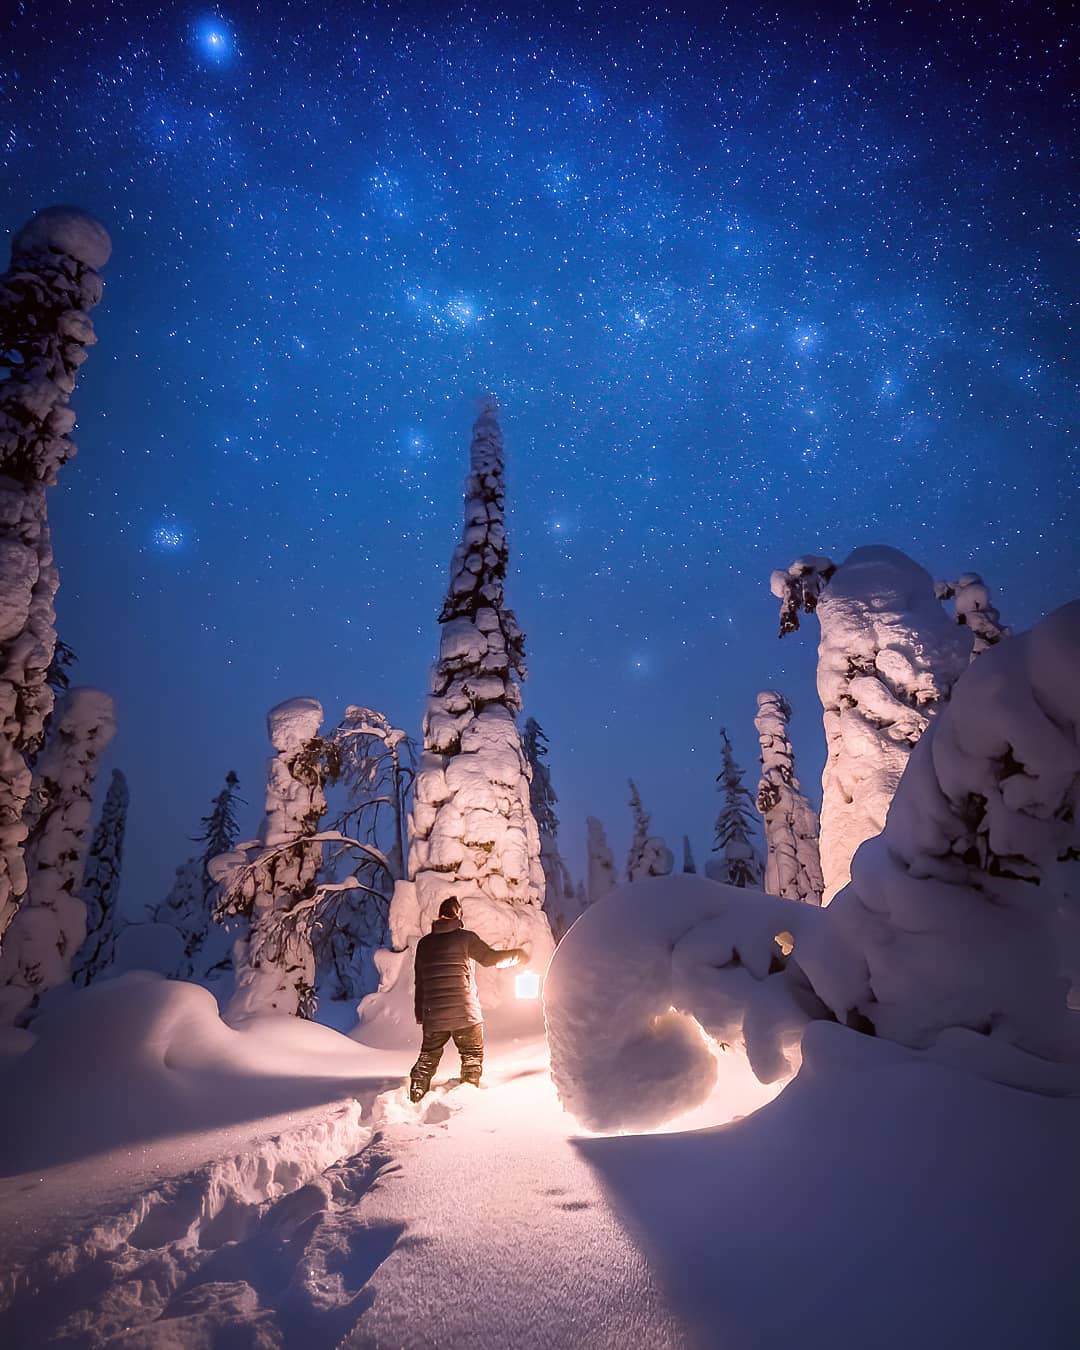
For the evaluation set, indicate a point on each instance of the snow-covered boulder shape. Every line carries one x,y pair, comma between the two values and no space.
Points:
652,979
954,937
888,658
45,298
50,927
957,914
472,831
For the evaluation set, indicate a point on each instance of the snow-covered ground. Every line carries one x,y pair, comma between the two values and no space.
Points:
273,1186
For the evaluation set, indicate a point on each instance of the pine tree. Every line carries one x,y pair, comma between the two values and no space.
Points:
971,604
101,884
603,875
50,926
688,864
189,906
45,331
887,661
649,856
740,861
793,869
560,902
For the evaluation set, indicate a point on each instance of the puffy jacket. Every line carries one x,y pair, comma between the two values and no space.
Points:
446,997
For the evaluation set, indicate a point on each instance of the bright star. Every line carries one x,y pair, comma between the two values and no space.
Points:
168,538
214,39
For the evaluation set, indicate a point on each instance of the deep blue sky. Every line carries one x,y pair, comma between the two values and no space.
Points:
767,281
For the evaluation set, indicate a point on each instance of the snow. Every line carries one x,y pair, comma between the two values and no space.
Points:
793,868
63,229
292,724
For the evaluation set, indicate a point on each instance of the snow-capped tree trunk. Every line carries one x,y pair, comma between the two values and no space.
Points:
560,901
887,661
275,963
602,873
649,856
971,604
44,335
740,862
472,832
50,926
793,866
101,884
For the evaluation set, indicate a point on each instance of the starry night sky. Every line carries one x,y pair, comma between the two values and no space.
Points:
749,283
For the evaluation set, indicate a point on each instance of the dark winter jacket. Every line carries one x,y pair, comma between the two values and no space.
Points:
446,997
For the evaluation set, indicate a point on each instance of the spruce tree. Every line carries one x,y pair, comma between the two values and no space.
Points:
740,862
793,869
649,856
560,902
101,884
602,873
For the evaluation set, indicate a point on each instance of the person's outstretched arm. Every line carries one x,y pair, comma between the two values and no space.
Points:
491,956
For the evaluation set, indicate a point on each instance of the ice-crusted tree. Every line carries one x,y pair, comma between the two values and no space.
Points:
377,767
190,904
739,863
971,605
45,298
560,901
793,864
648,855
50,927
275,881
602,872
887,660
473,835
688,863
101,884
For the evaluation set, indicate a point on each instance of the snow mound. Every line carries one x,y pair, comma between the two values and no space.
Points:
294,723
653,980
140,1057
64,229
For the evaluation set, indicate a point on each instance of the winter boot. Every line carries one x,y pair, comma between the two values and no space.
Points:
418,1090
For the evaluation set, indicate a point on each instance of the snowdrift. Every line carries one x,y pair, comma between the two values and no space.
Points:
141,1057
956,935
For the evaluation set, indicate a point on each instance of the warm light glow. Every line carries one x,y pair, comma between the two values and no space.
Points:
527,984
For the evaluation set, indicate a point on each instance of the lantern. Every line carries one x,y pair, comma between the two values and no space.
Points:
527,985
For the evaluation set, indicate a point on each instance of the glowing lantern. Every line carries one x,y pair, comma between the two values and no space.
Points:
527,984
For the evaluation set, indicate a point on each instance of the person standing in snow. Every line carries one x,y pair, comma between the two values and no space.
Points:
447,1003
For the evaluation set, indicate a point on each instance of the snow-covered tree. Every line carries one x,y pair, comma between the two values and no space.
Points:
971,604
378,765
602,872
649,856
688,863
45,331
101,884
50,926
472,831
189,906
887,660
560,900
739,863
793,867
274,880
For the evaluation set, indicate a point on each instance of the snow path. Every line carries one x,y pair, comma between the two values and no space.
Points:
471,1219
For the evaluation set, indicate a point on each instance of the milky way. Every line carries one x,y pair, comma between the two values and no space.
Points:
746,286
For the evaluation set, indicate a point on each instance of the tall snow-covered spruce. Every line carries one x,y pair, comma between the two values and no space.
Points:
101,884
888,659
739,863
274,881
472,830
560,901
793,866
50,927
45,331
